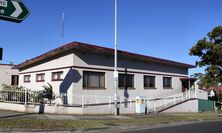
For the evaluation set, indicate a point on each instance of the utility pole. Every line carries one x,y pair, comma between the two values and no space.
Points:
115,64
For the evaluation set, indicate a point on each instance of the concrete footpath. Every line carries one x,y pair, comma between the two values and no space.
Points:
18,115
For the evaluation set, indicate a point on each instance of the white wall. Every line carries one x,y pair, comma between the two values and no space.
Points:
82,61
90,61
58,62
201,94
189,106
6,73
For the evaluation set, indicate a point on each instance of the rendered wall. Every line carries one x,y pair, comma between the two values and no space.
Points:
65,86
78,62
6,72
103,63
189,106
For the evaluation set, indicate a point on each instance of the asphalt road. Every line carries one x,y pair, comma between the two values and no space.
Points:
202,127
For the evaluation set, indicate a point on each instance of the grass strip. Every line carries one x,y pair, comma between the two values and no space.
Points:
92,124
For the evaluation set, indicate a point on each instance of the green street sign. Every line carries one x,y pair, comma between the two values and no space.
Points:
13,10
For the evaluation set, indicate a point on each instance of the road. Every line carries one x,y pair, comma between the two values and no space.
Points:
202,127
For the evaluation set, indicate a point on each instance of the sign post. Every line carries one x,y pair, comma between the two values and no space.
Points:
13,10
1,53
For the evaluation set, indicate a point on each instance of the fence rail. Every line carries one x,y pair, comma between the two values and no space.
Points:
81,100
155,104
20,96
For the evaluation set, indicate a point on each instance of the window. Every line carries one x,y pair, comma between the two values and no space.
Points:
57,76
14,80
167,82
149,82
27,78
93,80
126,81
40,77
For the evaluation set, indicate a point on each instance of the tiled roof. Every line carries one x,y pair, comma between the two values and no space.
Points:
216,88
101,50
6,64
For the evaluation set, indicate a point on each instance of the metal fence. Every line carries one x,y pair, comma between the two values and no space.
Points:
156,104
20,96
81,100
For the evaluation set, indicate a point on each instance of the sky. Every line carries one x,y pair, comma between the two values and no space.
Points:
160,28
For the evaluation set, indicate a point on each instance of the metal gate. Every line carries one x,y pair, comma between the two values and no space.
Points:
205,105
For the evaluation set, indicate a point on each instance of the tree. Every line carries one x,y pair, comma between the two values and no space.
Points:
209,50
48,93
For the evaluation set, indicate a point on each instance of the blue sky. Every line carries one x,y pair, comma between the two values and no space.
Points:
161,28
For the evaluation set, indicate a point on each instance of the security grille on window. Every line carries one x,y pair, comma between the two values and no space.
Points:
126,81
93,80
57,76
40,77
149,82
167,82
27,78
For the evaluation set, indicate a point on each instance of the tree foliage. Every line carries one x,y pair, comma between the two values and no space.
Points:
209,51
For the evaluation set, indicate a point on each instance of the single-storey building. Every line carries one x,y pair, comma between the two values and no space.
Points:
8,75
84,69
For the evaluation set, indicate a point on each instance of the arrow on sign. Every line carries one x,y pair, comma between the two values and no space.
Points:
18,9
13,10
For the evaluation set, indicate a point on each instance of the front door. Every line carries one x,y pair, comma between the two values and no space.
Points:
184,85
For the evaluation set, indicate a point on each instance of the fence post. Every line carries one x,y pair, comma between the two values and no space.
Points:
182,97
109,101
130,103
25,96
165,102
154,107
174,99
189,93
195,94
82,101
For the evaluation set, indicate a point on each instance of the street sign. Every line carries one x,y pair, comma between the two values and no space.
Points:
13,10
1,52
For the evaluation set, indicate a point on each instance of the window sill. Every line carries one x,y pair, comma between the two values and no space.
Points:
128,88
40,81
93,88
27,81
167,88
150,88
57,80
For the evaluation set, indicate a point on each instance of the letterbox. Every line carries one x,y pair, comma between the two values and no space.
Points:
141,104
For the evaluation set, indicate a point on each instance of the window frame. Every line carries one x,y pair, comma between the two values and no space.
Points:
87,87
125,81
167,87
144,80
40,74
29,78
59,76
